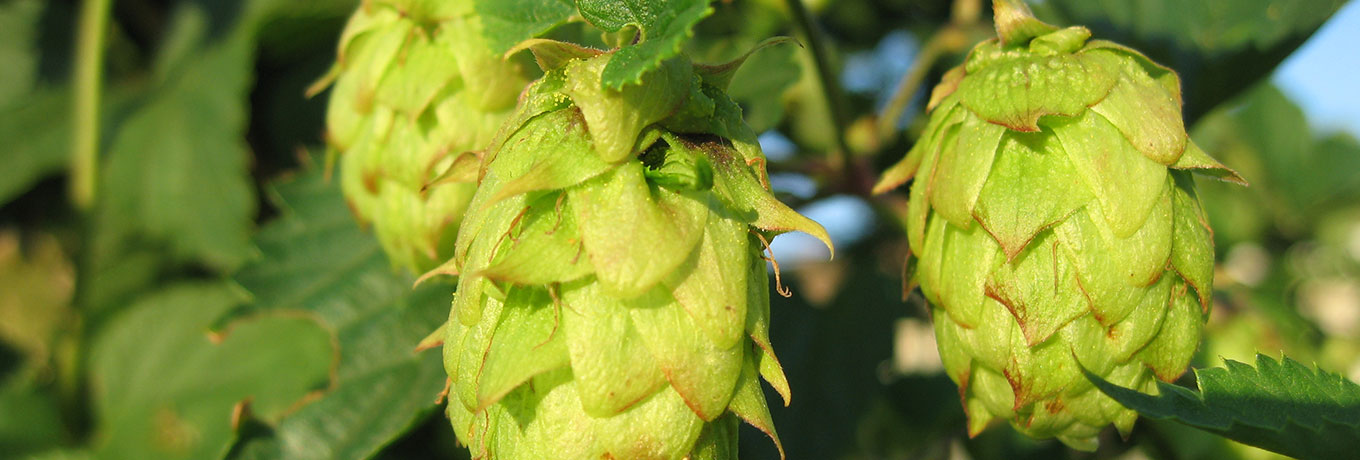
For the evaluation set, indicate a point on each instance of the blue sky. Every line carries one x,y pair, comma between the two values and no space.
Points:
1322,75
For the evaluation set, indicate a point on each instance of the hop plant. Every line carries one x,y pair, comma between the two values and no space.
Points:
416,92
1055,222
613,298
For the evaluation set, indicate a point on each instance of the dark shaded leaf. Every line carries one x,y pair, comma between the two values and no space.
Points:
316,259
1280,406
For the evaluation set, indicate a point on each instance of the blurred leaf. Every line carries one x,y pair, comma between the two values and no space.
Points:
316,259
164,386
1279,406
759,85
36,282
505,23
1295,177
63,454
18,49
34,118
663,27
1219,47
37,137
176,169
29,419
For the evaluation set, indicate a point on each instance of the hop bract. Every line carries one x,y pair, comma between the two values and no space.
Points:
415,90
612,299
1054,216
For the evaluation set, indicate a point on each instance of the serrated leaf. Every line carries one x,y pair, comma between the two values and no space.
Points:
165,387
1280,406
316,259
664,27
505,23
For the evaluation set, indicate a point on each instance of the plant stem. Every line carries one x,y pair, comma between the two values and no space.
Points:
89,60
826,78
906,88
950,39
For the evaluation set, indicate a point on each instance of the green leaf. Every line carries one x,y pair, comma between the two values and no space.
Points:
177,168
615,117
1032,186
30,419
38,137
505,23
1127,185
760,85
1279,406
612,367
701,372
963,166
571,162
20,24
316,260
711,285
1146,113
165,386
1000,88
1039,288
546,247
635,235
735,183
528,341
664,27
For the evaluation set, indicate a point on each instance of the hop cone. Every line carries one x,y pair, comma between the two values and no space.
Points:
613,300
415,88
1057,228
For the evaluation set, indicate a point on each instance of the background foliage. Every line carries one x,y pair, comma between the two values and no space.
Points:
219,300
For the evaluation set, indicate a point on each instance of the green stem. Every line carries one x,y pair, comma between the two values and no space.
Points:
906,88
89,59
826,78
951,38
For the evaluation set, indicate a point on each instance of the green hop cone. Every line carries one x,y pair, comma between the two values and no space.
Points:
613,299
416,92
1055,222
